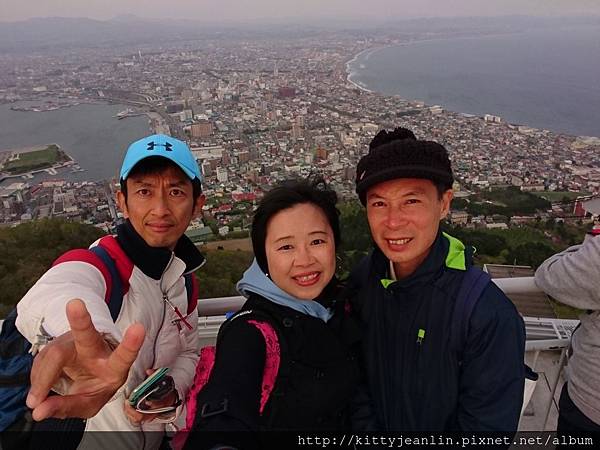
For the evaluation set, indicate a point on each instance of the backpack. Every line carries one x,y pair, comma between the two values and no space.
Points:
15,366
473,284
207,360
16,360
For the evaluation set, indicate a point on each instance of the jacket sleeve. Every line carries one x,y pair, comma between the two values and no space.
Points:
231,398
493,368
571,277
42,311
362,412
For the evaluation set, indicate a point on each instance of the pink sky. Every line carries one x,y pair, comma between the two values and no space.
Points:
240,10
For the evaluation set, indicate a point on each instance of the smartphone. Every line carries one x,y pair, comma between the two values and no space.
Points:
161,389
146,385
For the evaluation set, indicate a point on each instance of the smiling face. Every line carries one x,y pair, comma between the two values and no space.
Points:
300,250
404,216
160,206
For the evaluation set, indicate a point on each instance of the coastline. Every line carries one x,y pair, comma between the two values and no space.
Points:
371,50
349,73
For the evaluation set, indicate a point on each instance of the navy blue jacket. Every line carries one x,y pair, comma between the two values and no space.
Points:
421,383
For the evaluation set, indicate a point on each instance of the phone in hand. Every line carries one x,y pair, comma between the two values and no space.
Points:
147,385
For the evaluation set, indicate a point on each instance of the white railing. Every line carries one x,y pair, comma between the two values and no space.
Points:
543,334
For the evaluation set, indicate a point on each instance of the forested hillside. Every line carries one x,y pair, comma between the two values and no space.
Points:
29,249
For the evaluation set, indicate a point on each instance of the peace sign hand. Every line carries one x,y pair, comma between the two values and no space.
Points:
97,371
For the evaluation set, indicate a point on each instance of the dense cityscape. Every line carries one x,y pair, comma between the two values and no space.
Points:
258,111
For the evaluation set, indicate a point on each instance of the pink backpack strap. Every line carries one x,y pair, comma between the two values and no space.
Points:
204,368
203,371
272,360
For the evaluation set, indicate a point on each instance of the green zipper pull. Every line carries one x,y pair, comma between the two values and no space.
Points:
420,336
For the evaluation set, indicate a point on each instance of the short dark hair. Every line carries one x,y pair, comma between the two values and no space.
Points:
398,154
154,165
313,190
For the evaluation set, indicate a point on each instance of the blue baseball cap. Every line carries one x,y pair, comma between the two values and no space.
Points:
161,145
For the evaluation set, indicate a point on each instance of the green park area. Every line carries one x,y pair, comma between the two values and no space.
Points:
560,196
35,160
503,202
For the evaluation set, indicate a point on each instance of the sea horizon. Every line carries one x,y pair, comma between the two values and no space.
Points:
358,73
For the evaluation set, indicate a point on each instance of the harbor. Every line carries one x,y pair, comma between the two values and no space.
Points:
129,112
89,133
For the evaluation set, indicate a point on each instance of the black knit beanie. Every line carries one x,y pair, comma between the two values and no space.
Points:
398,154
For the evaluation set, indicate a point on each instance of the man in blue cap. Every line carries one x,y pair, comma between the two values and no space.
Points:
96,353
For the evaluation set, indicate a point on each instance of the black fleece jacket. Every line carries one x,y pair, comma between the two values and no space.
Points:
315,383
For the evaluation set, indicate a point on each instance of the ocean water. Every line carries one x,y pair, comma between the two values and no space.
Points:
547,78
88,132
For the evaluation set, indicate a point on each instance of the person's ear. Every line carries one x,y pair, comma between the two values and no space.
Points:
198,205
122,203
446,201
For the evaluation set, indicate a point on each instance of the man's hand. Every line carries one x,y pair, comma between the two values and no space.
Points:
96,370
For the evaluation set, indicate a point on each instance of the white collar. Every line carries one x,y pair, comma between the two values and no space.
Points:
392,272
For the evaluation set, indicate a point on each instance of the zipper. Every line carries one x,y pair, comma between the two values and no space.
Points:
175,309
168,302
164,312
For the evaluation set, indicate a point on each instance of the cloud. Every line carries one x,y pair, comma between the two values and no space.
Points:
240,10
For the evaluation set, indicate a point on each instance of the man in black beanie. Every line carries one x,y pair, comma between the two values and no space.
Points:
443,347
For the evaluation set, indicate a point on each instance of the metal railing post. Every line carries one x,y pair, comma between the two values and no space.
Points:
535,358
561,363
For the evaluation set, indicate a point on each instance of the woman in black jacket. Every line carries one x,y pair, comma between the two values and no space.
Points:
290,286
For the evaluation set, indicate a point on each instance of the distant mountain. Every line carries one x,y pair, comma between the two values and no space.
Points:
125,18
59,33
55,33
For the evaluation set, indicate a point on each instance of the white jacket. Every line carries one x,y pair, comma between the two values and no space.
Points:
42,311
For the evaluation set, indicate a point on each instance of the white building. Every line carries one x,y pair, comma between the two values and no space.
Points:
222,175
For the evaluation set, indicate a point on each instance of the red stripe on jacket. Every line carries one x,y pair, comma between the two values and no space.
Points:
87,256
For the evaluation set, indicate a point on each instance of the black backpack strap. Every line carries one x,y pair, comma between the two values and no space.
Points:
191,284
12,342
14,346
474,282
115,296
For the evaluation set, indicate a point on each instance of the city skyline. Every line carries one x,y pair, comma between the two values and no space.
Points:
219,11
